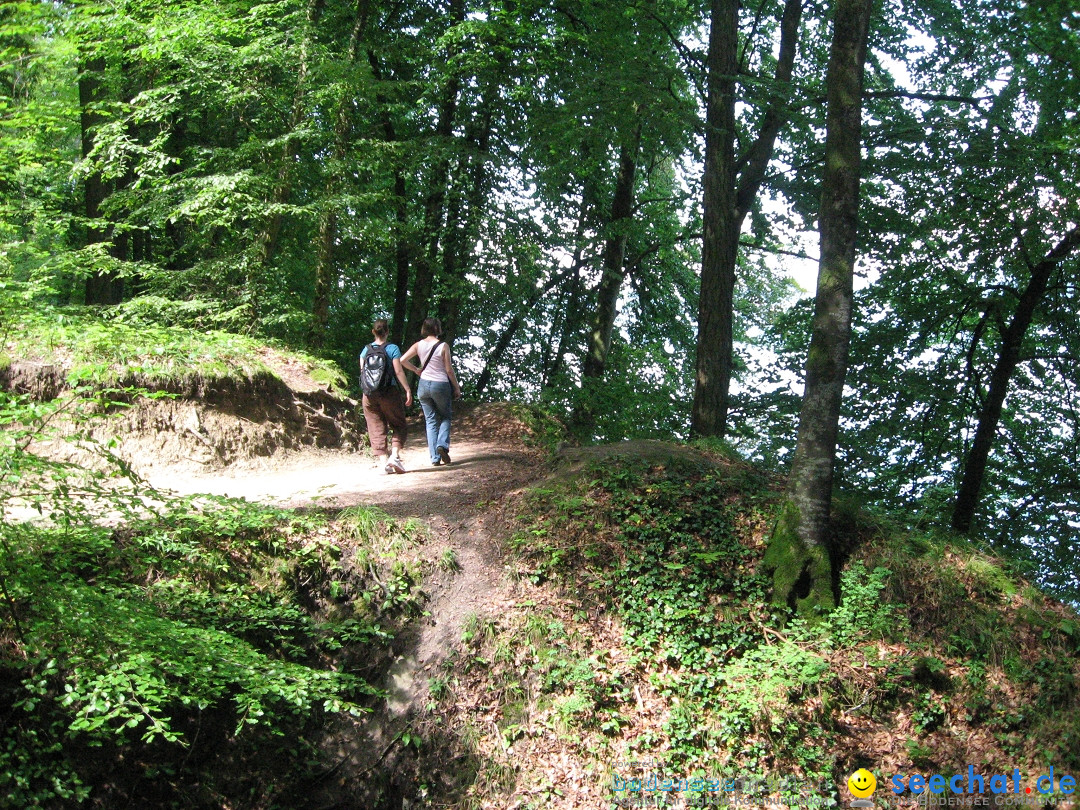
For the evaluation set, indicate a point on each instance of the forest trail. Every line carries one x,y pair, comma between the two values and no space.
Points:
459,505
490,460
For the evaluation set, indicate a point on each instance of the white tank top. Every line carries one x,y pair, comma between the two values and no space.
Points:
435,369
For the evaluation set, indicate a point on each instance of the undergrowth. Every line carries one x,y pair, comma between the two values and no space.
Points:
931,641
134,341
158,639
544,429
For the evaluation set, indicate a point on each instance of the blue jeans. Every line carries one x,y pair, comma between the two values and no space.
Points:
436,398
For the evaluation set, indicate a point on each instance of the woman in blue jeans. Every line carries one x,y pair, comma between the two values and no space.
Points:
437,389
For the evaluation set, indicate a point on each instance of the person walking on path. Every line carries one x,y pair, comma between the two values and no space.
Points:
438,387
382,380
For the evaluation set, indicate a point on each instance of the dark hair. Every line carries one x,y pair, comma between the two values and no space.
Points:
432,326
380,329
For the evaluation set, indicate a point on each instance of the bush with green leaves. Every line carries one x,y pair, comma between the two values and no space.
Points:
127,613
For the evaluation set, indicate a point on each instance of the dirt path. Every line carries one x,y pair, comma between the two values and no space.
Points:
489,459
456,502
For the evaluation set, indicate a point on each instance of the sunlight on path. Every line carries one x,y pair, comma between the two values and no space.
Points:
329,479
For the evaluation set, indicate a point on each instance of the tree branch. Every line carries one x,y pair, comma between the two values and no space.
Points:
751,168
974,101
695,62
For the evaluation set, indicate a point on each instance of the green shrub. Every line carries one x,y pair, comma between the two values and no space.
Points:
116,636
146,339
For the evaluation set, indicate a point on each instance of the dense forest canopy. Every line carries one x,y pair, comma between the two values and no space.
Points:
538,176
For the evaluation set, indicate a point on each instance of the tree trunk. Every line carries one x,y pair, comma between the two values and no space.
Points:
100,288
402,244
464,225
798,553
271,233
727,202
401,259
752,166
324,268
611,282
424,280
324,260
452,275
967,497
571,312
507,336
720,240
571,323
614,270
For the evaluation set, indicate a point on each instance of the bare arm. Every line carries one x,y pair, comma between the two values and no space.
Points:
399,372
450,372
411,353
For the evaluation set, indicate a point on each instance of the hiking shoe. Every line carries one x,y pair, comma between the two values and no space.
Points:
436,463
444,454
394,465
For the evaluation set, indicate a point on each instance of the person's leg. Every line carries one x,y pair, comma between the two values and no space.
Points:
444,398
431,416
376,428
393,409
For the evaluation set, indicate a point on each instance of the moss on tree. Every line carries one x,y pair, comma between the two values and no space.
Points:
802,574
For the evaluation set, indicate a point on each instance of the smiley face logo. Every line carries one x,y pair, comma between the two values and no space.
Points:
862,783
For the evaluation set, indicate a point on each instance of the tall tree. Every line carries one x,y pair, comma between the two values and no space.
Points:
798,554
102,286
435,203
1009,356
328,230
403,247
720,232
730,189
971,176
283,188
613,269
612,277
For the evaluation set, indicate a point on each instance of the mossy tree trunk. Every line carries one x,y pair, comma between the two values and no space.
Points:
798,554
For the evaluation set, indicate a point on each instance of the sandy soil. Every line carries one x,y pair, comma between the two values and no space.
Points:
489,460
